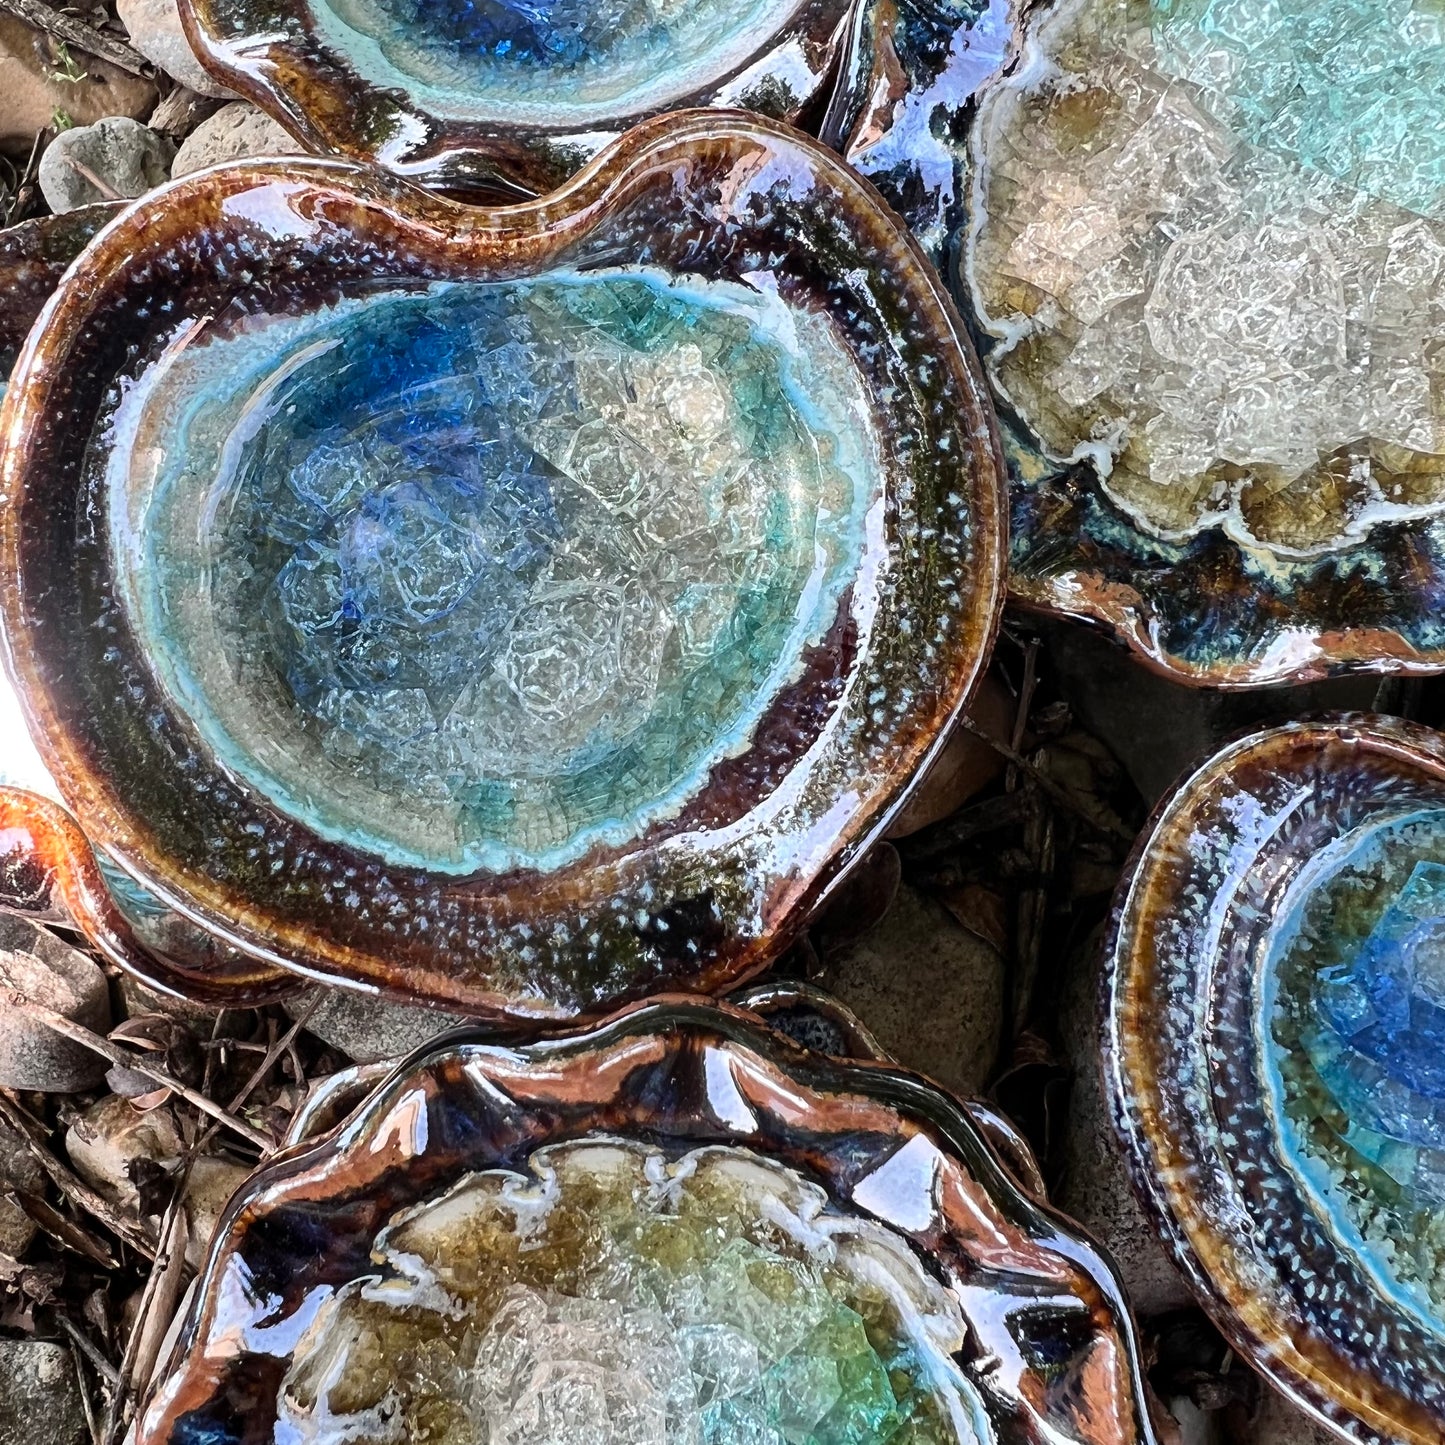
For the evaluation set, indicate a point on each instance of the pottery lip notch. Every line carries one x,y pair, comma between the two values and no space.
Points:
492,98
894,1157
1267,1056
679,213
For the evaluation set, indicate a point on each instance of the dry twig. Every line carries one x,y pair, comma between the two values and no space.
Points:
79,1034
76,32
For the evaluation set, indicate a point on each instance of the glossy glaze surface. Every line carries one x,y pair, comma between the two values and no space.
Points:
1204,243
804,1249
577,585
1273,1058
507,94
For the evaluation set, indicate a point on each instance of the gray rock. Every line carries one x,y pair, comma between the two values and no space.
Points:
154,27
1095,1189
39,1395
234,133
366,1028
18,1170
931,992
36,964
122,153
212,1183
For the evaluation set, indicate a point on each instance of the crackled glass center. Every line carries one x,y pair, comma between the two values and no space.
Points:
1357,1048
486,574
1211,242
614,1297
551,63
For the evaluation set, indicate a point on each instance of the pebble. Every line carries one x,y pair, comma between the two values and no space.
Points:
39,1395
368,1029
212,1183
110,1137
124,154
18,1170
233,133
42,90
154,27
931,992
1095,1188
1280,1422
48,972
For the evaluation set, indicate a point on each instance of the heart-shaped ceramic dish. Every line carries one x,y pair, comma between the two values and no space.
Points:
839,1232
517,609
1273,1051
514,96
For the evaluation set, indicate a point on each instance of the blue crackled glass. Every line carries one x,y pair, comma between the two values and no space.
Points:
488,574
1357,983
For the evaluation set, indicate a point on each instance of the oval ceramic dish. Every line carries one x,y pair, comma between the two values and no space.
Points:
515,609
723,1237
507,94
1273,1055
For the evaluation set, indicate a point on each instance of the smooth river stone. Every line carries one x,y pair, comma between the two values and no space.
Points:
1210,239
1356,1049
610,1296
491,572
564,66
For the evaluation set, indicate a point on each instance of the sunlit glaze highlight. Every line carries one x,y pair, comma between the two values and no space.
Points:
1277,1000
679,1229
487,574
517,609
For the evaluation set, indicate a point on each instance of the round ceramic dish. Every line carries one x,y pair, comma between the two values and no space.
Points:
516,609
730,1198
1273,1053
1203,262
509,95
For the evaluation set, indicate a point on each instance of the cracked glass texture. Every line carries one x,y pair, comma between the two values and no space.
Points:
614,1297
521,61
490,573
1357,1047
1209,236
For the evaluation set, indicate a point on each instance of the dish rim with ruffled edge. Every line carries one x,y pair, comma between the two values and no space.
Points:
882,1142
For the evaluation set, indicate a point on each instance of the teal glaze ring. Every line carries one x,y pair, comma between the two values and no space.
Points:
1273,1055
517,609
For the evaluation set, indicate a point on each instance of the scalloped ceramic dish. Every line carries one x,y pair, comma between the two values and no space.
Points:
725,1237
516,609
508,94
1274,1055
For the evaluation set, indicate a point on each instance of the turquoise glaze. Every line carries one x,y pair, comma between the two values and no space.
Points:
1355,1003
491,572
565,66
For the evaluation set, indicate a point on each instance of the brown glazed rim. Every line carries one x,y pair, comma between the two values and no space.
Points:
511,240
316,92
1142,1038
644,1074
1122,611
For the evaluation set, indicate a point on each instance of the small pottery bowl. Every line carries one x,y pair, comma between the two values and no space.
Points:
514,96
516,609
1204,261
681,1223
1274,1055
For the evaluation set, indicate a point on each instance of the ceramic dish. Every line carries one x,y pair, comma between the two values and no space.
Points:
520,609
1204,261
507,95
1274,1047
726,1238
